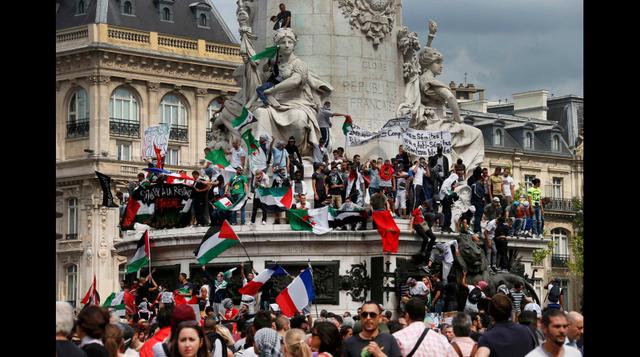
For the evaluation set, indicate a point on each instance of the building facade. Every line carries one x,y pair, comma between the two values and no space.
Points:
123,66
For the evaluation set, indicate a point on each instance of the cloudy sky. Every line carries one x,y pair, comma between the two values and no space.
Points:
504,46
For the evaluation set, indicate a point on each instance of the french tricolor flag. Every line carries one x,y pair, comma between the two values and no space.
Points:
297,295
254,285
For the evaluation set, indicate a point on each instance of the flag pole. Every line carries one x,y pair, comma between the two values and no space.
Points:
314,295
245,249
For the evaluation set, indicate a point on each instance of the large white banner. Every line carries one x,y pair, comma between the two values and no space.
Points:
158,135
390,131
425,143
416,142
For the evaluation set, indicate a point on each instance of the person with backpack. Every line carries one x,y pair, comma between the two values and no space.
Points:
555,295
476,293
464,345
417,339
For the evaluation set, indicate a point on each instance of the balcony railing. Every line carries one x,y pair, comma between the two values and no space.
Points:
179,133
122,127
559,204
78,129
559,260
72,236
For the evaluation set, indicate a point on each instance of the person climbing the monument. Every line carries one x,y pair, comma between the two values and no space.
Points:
274,78
419,225
444,251
295,164
283,19
324,122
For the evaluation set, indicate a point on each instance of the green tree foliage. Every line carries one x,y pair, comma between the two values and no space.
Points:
576,263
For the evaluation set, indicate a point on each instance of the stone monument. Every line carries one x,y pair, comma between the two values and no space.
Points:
425,98
350,45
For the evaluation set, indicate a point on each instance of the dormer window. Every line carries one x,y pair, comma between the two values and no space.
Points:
555,143
498,138
528,140
127,8
203,20
166,14
80,7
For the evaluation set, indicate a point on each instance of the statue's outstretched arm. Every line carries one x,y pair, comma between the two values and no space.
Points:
451,100
286,85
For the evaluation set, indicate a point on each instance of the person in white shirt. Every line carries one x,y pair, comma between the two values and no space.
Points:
490,249
238,155
302,202
418,173
417,289
447,250
508,187
260,180
554,326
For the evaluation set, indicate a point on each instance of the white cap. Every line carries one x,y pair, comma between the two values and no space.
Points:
532,306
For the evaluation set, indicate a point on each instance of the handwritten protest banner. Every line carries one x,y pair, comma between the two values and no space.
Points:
158,135
390,131
425,143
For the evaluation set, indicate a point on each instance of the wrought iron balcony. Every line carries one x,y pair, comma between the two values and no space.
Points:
72,236
123,127
179,133
78,129
559,204
559,260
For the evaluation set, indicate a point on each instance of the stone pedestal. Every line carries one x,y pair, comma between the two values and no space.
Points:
367,79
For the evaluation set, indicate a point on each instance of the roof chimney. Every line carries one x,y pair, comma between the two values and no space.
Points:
532,104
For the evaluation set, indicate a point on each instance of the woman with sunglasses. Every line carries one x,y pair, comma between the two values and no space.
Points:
326,339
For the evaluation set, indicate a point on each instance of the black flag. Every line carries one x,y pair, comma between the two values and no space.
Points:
107,197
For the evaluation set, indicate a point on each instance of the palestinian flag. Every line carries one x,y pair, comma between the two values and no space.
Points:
180,299
225,203
338,218
137,211
347,125
357,179
122,302
314,220
266,53
276,198
92,296
227,274
180,178
215,241
388,229
142,256
245,118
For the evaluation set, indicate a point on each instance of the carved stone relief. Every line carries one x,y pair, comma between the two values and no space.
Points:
373,17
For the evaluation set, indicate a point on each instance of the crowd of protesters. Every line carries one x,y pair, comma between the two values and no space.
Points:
509,324
395,184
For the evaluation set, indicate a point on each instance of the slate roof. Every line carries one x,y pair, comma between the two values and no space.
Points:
146,17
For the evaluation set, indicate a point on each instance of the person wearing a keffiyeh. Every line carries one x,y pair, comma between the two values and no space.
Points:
219,294
267,343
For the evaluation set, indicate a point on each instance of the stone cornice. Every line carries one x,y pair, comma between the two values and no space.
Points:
280,240
145,68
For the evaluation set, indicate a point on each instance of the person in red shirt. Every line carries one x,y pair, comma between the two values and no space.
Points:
164,323
420,226
230,312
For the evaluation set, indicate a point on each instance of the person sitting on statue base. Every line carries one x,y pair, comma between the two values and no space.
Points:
421,226
350,206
